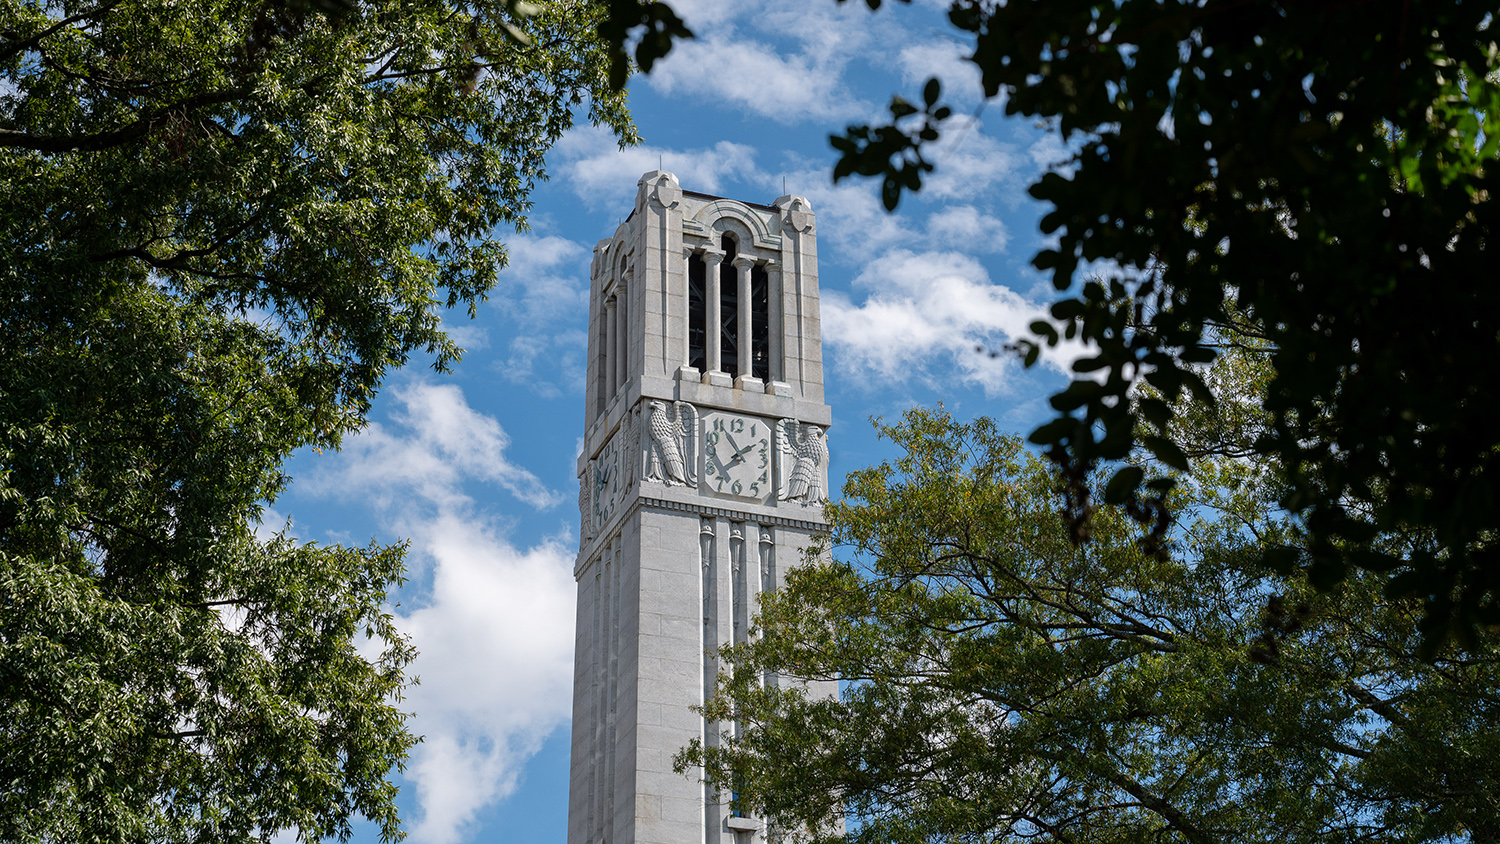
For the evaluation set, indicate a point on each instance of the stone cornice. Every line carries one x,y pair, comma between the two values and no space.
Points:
643,498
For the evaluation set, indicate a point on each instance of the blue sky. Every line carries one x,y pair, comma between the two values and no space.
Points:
476,469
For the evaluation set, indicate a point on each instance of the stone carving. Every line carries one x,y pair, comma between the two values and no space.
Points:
586,529
673,432
805,443
664,189
798,213
632,445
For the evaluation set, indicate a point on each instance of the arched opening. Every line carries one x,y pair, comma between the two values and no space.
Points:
697,313
729,308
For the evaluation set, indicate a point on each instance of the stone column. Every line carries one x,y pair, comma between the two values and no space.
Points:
774,324
742,264
611,339
622,333
687,306
711,260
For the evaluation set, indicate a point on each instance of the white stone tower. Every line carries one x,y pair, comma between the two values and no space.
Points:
702,476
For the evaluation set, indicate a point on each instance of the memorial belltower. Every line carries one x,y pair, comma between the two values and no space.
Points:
702,476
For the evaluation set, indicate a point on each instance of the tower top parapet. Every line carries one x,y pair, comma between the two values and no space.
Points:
708,300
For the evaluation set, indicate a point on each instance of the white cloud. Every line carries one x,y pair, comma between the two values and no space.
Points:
971,164
754,72
495,632
1049,152
966,227
450,442
605,176
947,60
757,78
850,216
272,522
463,331
924,314
496,638
562,351
546,279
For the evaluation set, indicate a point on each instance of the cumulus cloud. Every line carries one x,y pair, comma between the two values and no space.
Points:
605,176
972,164
496,638
967,228
495,631
948,61
850,216
1049,153
734,60
925,313
760,79
436,442
530,356
546,279
272,522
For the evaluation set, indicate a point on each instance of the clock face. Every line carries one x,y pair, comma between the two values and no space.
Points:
606,483
737,455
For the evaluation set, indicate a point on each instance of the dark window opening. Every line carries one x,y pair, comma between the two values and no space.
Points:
729,310
697,313
760,323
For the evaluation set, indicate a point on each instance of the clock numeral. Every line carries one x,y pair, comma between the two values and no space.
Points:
755,487
737,488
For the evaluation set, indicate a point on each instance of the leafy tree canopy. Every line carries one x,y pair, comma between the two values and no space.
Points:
222,224
1321,168
1004,684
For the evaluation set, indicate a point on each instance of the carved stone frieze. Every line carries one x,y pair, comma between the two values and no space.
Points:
670,458
806,446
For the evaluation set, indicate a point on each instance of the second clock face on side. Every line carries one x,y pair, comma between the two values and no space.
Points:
737,455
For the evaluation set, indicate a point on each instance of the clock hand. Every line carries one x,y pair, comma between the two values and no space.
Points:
723,470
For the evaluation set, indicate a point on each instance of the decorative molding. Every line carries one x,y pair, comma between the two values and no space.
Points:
728,513
760,234
797,215
665,192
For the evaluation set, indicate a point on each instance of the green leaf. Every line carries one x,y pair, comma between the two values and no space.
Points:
1166,451
1123,484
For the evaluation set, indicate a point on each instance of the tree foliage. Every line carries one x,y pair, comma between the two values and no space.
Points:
1002,683
223,223
1324,170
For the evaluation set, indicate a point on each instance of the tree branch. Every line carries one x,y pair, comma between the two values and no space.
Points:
13,49
115,137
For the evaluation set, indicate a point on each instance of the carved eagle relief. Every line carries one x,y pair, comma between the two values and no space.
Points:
806,444
673,432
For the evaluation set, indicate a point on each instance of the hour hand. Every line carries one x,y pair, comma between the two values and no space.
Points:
739,453
723,470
